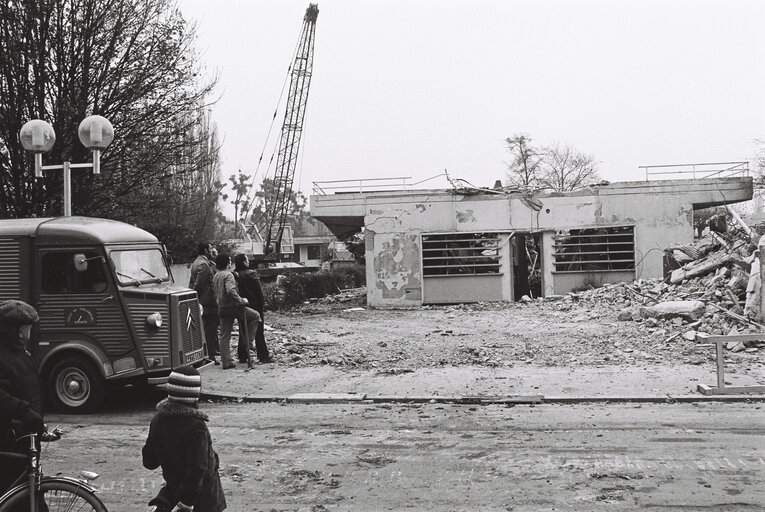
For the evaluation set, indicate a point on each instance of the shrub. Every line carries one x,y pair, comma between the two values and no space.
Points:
294,289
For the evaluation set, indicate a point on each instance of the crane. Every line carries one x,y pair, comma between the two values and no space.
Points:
292,128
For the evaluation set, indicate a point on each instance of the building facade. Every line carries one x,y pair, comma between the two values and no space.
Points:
453,246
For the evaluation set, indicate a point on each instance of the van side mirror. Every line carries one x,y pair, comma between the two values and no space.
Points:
80,262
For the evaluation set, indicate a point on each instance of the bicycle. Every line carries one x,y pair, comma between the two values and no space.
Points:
51,494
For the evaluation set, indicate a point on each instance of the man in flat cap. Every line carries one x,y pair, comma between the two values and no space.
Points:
20,396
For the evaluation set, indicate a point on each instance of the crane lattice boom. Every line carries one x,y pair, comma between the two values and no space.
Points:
292,127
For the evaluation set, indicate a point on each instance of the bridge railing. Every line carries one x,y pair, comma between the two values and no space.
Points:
696,171
322,188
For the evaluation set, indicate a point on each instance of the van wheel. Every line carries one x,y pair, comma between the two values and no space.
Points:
75,386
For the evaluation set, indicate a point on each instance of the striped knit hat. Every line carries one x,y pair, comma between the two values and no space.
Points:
184,385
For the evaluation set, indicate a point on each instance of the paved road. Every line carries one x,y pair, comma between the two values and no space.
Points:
445,457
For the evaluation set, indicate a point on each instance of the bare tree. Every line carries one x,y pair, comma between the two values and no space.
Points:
133,62
181,206
565,169
524,169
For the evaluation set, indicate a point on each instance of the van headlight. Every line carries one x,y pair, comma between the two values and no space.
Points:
154,319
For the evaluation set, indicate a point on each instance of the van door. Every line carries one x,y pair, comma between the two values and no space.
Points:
81,323
81,303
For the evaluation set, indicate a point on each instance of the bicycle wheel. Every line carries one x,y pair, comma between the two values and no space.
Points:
58,496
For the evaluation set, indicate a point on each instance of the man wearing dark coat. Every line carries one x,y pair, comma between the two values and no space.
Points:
20,396
180,443
201,280
248,282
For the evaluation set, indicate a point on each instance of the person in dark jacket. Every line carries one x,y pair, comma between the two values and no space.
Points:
20,396
231,306
180,443
250,289
201,280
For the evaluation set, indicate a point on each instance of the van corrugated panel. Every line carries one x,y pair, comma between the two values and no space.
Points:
109,329
10,269
155,341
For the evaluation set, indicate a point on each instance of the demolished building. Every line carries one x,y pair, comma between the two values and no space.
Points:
471,245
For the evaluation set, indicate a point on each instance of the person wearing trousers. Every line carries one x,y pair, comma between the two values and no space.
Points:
250,289
201,280
230,305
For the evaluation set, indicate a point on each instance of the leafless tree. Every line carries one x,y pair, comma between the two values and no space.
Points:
565,169
133,62
524,169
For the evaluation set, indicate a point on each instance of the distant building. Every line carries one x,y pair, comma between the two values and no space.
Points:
451,246
315,243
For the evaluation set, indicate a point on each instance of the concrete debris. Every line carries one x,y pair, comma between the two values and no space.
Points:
704,266
713,288
738,347
687,309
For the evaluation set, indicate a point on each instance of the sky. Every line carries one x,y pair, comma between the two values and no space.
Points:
410,88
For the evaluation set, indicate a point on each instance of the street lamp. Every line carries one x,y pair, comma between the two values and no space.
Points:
95,133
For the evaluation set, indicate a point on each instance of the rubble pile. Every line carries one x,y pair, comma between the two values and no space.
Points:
343,298
714,291
709,288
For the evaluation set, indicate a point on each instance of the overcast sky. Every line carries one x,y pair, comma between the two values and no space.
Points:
413,87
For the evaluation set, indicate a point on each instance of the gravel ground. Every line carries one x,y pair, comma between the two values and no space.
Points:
577,329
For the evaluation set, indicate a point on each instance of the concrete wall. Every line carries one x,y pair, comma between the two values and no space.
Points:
661,213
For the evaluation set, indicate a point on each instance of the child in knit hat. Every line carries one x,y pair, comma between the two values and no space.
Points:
180,443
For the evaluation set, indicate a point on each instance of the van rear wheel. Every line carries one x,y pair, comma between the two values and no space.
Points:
75,386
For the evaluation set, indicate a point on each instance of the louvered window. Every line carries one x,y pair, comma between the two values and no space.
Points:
460,254
594,249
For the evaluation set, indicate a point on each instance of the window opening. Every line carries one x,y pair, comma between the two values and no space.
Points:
460,254
593,249
527,265
59,275
314,252
139,266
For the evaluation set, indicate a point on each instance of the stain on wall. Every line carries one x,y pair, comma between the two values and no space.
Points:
397,266
466,216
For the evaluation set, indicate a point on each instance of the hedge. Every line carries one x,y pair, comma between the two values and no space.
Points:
294,289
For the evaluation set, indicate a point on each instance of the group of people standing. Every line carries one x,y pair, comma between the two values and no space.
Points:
226,295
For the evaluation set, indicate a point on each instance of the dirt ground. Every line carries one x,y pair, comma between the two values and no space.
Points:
444,457
279,456
563,331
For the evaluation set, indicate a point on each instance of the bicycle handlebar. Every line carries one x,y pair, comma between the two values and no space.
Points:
45,437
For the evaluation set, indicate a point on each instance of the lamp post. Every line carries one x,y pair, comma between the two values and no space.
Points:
95,133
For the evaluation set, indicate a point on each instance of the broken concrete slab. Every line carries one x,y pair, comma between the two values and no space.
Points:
700,267
738,347
690,310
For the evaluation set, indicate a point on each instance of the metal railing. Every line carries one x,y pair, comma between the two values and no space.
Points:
322,188
699,171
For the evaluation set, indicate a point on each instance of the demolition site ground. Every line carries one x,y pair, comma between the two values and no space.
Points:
367,455
602,326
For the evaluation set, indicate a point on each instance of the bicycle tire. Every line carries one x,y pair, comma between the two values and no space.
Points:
59,496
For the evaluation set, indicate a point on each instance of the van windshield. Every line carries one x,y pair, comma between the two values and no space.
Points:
139,266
